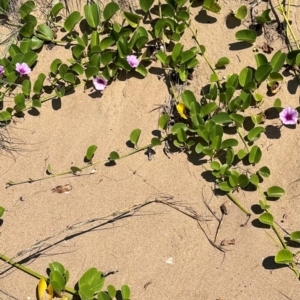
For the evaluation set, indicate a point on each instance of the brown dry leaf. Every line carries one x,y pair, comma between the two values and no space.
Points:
62,189
228,242
267,48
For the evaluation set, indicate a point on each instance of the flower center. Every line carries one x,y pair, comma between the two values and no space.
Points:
289,117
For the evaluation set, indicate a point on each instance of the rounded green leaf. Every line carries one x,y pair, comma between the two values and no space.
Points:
255,132
229,143
266,218
146,5
284,256
72,20
222,62
91,12
93,278
5,116
135,135
254,179
275,192
208,108
163,121
224,186
262,72
255,155
69,77
245,76
104,296
233,180
106,42
155,142
241,154
78,68
125,291
57,281
178,126
294,236
181,135
25,45
141,70
114,155
277,61
246,35
111,291
90,152
30,58
91,71
229,156
44,32
215,165
56,9
264,171
110,9
241,12
26,87
132,19
26,8
27,29
243,181
238,119
55,65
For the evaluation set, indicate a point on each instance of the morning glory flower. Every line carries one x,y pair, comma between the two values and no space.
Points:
1,70
132,60
288,116
99,83
23,68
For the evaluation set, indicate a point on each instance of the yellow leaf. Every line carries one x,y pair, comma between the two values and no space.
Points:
181,110
42,287
50,291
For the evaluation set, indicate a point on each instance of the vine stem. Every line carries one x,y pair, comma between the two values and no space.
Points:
238,204
30,180
241,136
31,272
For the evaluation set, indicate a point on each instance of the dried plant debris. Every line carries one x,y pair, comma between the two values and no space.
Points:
60,189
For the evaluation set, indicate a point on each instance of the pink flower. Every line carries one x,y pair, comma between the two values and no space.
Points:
288,116
23,68
132,60
99,83
1,70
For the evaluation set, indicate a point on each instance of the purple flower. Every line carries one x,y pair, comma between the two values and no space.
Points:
132,60
99,83
288,116
1,70
23,69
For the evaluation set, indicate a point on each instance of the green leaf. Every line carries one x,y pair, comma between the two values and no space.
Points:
57,266
25,45
91,12
245,76
111,291
104,296
72,20
30,58
93,278
13,50
135,135
155,142
110,9
77,51
260,59
1,211
277,61
114,155
255,155
221,118
107,57
264,172
181,135
132,19
36,103
224,186
238,119
125,291
211,5
176,51
69,77
26,87
222,62
36,43
254,179
284,256
294,236
241,12
90,152
243,181
55,65
254,133
257,119
167,10
208,108
246,35
275,192
266,218
44,32
5,116
146,5
229,143
26,8
262,72
277,103
163,121
141,70
214,78
56,9
91,71
78,68
57,281
241,154
27,29
107,42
